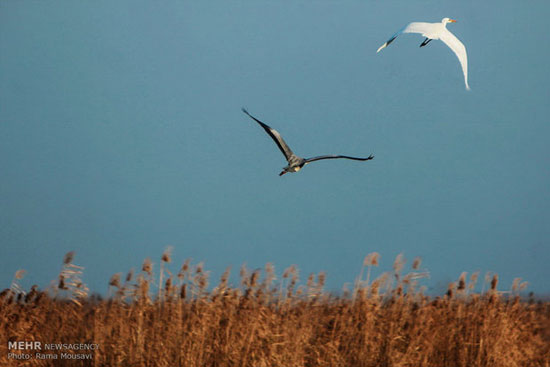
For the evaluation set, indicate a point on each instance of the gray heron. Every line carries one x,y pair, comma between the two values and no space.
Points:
296,163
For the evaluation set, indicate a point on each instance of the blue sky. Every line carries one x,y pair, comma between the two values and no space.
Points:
121,133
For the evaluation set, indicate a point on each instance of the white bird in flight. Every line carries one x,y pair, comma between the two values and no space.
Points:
437,31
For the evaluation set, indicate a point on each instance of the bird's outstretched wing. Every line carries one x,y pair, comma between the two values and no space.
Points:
458,48
274,135
313,159
419,27
414,27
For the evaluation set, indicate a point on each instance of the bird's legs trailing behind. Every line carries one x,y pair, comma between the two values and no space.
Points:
426,41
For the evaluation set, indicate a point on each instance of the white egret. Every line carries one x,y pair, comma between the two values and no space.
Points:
437,31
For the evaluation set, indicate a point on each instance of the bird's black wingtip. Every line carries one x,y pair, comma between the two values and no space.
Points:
244,110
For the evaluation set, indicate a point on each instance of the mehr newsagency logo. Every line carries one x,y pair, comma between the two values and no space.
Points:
25,350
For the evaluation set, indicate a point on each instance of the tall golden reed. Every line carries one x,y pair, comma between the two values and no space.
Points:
265,321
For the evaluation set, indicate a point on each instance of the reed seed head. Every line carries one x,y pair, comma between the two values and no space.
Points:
147,266
450,290
269,274
494,282
398,263
473,280
61,284
321,277
115,280
310,280
184,269
254,278
68,258
269,268
515,284
19,274
462,282
130,275
291,270
203,282
371,259
487,277
225,276
166,255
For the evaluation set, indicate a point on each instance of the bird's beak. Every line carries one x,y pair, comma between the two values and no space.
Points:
452,21
282,173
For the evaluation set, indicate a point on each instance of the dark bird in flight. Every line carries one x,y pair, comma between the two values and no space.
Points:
296,163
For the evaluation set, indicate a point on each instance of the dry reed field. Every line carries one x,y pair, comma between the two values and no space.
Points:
164,319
